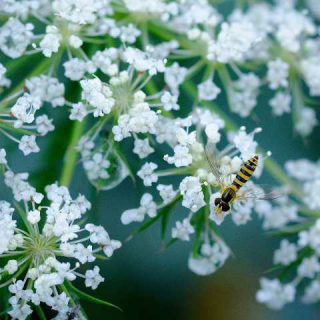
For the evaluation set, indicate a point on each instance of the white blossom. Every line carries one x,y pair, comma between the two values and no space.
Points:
280,103
278,72
286,254
208,90
274,294
147,174
183,230
142,148
148,207
28,145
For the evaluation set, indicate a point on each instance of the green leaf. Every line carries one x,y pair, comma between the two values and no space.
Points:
164,224
151,221
198,222
304,253
11,128
40,312
169,244
291,229
2,313
215,229
38,69
274,268
100,257
123,158
74,299
71,154
85,296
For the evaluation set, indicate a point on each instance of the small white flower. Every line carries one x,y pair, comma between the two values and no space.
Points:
243,94
181,158
98,95
234,40
280,103
3,154
166,192
15,37
210,259
310,189
25,109
48,89
93,278
183,230
33,216
148,207
109,248
208,90
306,122
191,190
169,101
11,267
309,267
212,132
129,33
142,148
147,174
274,294
312,292
51,41
84,254
75,69
174,76
28,145
75,41
278,72
44,124
286,254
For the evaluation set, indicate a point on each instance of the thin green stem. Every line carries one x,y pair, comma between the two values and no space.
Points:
71,153
39,69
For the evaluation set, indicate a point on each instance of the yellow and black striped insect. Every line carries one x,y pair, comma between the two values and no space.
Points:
231,192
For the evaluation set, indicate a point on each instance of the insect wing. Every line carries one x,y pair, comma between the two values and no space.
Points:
261,192
214,163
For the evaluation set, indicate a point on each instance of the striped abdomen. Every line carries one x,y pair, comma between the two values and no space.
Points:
245,173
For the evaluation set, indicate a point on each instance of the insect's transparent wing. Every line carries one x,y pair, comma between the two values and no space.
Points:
214,162
261,192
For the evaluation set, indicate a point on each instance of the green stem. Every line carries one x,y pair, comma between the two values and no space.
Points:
297,97
39,69
81,314
71,153
40,312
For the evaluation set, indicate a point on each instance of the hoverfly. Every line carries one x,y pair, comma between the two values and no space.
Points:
73,314
231,192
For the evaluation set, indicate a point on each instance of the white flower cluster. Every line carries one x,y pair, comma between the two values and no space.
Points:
39,249
198,190
211,258
305,254
117,61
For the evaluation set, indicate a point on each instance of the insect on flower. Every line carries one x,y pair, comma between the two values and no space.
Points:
230,188
74,313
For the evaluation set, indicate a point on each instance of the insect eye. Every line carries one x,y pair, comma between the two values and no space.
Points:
225,206
217,201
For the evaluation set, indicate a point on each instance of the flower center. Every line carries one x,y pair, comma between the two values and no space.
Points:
123,96
41,247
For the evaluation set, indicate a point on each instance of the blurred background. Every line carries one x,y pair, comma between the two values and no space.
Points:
147,284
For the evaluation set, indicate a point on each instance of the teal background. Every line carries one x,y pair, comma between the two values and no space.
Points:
150,285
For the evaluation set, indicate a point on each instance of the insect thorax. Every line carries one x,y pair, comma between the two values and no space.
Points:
228,195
